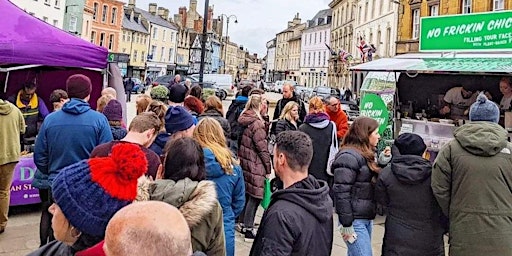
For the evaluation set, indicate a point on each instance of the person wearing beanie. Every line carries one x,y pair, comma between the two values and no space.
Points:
114,113
177,94
86,196
480,154
179,122
69,135
415,224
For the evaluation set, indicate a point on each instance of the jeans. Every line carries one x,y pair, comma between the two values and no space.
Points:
251,206
363,244
6,173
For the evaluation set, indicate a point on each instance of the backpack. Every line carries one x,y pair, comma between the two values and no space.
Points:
232,116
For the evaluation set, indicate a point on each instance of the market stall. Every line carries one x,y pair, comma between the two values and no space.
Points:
407,93
34,51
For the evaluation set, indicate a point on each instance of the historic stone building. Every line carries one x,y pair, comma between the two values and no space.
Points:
282,60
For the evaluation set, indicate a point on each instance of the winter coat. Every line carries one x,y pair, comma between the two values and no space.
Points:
118,132
471,180
222,121
341,121
319,129
414,223
298,221
353,187
282,102
285,125
197,201
253,153
159,144
231,195
69,136
12,125
234,111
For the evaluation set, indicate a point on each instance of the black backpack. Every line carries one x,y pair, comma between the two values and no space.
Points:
232,116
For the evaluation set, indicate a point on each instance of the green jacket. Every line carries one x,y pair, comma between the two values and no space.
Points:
198,203
472,181
12,125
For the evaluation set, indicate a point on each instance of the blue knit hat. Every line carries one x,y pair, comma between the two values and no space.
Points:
178,119
91,191
484,110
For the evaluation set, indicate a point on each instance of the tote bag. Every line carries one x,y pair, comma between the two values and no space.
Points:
333,150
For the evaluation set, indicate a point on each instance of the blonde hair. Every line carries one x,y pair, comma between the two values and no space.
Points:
254,103
103,101
142,102
316,105
210,135
286,113
159,108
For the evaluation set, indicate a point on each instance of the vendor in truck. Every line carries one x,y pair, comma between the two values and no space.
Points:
457,102
506,90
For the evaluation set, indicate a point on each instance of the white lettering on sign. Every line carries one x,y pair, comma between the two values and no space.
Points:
463,29
368,105
371,112
436,32
499,24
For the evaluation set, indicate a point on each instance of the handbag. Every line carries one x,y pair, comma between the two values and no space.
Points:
333,150
267,194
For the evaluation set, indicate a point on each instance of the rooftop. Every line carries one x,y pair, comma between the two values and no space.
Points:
155,19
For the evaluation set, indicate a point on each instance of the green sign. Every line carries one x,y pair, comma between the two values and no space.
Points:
373,106
491,31
111,57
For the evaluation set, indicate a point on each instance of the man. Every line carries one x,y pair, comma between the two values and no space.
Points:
457,102
471,180
33,108
142,132
69,135
337,115
109,91
148,228
12,125
289,95
128,87
234,111
299,219
58,98
177,80
177,94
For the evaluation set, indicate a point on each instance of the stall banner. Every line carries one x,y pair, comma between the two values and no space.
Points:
373,106
22,192
491,31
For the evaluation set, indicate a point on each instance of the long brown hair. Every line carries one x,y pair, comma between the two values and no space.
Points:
358,137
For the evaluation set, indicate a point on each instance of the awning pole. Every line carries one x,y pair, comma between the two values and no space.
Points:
6,81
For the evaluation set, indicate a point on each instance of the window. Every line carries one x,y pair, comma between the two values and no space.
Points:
47,2
57,4
93,37
171,55
319,58
498,5
104,14
124,36
325,36
135,55
434,10
366,12
142,56
325,59
162,56
373,9
360,15
86,27
388,41
72,23
314,58
95,11
45,19
114,15
153,51
415,23
102,39
315,37
129,36
171,36
55,23
381,7
155,33
309,59
111,42
466,6
163,35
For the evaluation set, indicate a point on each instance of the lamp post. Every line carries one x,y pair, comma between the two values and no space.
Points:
226,41
203,41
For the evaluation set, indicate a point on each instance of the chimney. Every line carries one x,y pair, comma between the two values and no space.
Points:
152,8
177,19
290,24
193,5
210,19
296,19
131,4
161,12
183,13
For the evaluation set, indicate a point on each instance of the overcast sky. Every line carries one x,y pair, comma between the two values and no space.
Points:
258,20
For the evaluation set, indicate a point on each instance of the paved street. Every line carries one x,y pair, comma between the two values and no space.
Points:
22,233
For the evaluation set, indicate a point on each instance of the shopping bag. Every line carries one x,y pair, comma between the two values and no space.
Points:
267,193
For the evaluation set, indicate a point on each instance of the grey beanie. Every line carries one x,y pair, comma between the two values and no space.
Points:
484,110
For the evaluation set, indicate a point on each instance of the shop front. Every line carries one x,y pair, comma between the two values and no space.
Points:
121,59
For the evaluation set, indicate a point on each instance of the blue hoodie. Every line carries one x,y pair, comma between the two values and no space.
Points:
69,136
159,144
230,193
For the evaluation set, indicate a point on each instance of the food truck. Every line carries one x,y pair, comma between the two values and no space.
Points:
407,93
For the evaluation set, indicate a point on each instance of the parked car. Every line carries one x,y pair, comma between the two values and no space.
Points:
268,86
278,87
301,92
219,92
224,81
166,80
324,92
351,109
138,86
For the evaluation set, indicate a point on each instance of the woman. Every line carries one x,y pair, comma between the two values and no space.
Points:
159,108
114,113
254,158
103,101
214,109
355,168
87,194
196,91
224,170
321,131
194,105
183,185
506,90
288,121
142,103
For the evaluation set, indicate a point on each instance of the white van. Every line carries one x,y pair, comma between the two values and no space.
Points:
224,81
278,86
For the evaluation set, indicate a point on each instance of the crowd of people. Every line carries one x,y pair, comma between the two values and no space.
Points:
182,178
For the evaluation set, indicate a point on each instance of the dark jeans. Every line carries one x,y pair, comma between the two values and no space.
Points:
128,95
45,226
251,206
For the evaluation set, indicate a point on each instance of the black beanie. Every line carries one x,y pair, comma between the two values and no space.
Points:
410,144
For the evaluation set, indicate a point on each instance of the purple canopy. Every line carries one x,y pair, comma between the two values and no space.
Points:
24,39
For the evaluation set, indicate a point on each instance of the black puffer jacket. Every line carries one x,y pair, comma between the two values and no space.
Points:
353,188
298,221
285,125
414,224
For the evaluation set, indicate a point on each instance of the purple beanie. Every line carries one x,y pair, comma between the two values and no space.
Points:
113,110
78,86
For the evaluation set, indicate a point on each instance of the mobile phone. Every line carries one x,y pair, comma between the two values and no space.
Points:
352,239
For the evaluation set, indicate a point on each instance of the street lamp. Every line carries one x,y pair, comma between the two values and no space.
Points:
226,38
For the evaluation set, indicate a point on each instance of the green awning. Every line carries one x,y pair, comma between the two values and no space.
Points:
439,65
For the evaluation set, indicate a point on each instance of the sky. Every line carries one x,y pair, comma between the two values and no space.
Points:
258,20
